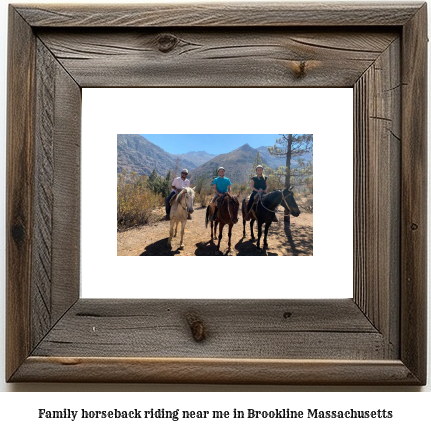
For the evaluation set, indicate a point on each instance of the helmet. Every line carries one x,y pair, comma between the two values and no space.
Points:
259,166
221,167
185,171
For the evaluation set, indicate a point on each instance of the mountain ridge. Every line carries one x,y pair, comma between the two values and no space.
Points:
138,154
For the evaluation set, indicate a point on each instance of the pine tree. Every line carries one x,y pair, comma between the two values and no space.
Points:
293,146
167,184
290,147
152,178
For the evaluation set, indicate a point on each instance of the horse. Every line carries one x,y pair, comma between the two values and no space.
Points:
227,213
182,205
265,211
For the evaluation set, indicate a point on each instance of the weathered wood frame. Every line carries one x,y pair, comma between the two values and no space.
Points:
378,337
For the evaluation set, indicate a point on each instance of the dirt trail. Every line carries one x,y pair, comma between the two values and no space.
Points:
152,239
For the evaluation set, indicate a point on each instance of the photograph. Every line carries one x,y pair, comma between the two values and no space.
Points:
131,176
204,195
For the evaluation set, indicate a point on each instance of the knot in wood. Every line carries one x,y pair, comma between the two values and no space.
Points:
287,314
300,69
197,327
18,233
167,42
414,226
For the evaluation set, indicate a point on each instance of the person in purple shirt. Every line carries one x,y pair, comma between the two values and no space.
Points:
221,186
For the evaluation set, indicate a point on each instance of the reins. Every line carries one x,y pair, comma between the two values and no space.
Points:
261,202
283,198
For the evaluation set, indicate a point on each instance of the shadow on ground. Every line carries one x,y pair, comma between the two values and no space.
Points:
302,241
160,248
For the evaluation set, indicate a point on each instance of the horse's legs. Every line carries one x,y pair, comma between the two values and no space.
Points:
212,227
259,234
251,229
183,225
230,234
243,228
267,226
220,236
176,228
171,232
215,229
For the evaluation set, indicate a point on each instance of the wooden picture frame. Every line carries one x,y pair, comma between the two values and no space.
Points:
376,338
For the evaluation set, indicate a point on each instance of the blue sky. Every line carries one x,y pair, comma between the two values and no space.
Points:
213,144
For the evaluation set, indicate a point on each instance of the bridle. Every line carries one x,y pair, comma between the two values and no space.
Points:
180,201
283,198
228,210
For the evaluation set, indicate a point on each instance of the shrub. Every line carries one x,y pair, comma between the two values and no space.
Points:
203,198
307,206
136,203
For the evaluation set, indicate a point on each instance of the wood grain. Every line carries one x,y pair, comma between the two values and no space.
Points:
20,197
55,266
216,58
377,100
220,15
43,190
215,371
268,329
413,195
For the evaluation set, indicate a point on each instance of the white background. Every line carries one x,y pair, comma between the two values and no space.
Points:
20,408
327,113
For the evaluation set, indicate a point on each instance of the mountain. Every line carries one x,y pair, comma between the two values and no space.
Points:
136,153
238,165
271,161
197,158
274,162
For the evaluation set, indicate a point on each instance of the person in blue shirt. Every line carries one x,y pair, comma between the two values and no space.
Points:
221,186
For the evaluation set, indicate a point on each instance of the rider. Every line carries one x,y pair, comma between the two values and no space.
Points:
221,185
177,185
259,184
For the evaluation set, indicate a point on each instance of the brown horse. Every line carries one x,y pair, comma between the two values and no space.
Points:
227,213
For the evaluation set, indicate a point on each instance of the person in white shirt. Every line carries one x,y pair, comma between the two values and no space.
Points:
177,185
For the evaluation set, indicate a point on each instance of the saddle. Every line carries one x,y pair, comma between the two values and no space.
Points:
171,201
219,201
250,215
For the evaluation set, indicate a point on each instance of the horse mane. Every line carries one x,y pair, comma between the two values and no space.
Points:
270,195
177,199
185,190
231,197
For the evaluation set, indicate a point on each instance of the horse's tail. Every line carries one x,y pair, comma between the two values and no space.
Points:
207,216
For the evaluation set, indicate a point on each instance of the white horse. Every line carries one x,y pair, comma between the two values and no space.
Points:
180,207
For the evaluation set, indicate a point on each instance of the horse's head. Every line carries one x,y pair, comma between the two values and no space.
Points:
232,203
186,196
288,202
190,195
